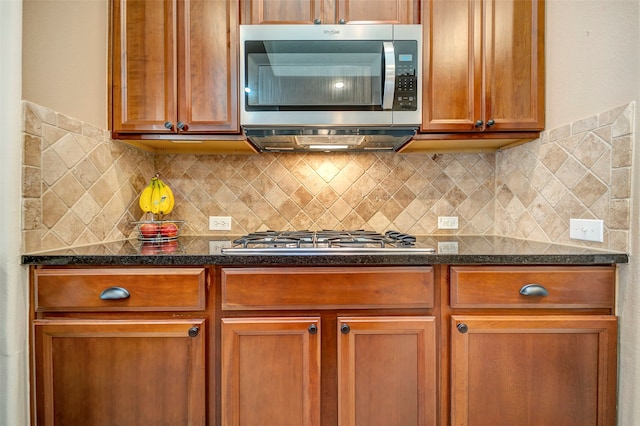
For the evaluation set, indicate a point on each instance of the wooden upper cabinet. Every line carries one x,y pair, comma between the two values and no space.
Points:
144,69
174,67
330,12
207,80
483,66
280,11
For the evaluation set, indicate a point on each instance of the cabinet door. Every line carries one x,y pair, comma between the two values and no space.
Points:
377,12
330,12
207,66
143,66
119,372
282,12
514,64
387,371
533,370
483,65
270,371
452,65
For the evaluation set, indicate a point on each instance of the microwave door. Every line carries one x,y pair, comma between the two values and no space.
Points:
389,75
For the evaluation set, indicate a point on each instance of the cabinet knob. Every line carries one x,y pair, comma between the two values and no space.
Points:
534,290
491,122
317,21
115,293
182,126
193,331
462,328
342,22
168,125
313,329
345,329
479,123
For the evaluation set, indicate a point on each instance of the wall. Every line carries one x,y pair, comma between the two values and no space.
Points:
79,187
581,170
14,373
592,57
64,61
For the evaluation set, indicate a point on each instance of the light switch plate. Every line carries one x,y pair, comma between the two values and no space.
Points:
586,229
447,222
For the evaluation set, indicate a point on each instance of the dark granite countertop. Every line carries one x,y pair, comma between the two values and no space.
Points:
205,250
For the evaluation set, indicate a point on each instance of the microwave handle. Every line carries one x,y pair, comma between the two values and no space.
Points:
389,75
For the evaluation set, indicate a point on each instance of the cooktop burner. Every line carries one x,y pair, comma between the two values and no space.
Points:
325,242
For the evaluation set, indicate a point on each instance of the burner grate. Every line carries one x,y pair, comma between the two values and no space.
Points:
325,239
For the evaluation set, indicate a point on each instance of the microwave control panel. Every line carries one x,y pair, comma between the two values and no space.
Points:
406,90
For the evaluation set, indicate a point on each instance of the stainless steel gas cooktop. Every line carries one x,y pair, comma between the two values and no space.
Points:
357,242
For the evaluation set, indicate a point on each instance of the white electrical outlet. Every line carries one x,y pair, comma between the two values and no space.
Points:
447,222
447,247
219,223
586,229
216,245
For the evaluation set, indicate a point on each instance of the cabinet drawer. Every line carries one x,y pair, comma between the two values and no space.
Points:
327,288
501,286
149,289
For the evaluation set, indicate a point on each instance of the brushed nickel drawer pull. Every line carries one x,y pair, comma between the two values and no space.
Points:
534,290
114,293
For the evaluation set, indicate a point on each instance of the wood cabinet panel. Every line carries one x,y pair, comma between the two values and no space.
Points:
174,68
387,371
281,11
500,286
207,64
514,67
270,371
533,370
378,12
483,66
144,66
119,373
330,12
452,65
327,287
158,289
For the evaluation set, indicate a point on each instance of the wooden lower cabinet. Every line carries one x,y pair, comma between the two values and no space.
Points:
120,346
134,372
327,346
532,370
387,371
386,374
270,371
532,345
467,345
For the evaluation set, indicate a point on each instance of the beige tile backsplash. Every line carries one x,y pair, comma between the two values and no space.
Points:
581,170
80,187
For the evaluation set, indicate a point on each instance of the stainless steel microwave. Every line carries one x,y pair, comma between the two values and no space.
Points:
331,80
